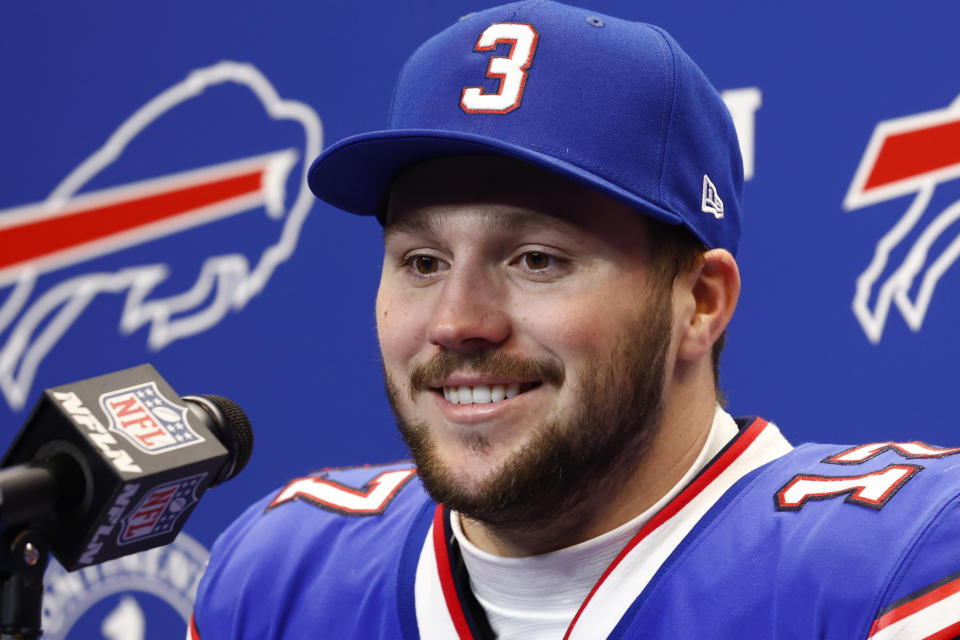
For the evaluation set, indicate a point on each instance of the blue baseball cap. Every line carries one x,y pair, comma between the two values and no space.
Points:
613,104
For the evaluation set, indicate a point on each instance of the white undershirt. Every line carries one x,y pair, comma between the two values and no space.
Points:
536,597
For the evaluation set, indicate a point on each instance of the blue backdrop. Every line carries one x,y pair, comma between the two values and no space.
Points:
153,210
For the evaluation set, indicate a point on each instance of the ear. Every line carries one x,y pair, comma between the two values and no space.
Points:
713,288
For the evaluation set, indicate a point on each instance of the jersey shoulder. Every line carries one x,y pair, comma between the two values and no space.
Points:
837,537
888,513
323,544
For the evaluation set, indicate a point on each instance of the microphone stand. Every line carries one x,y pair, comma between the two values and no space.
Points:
27,493
23,560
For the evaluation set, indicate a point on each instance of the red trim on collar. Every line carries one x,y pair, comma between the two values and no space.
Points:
709,474
446,577
192,633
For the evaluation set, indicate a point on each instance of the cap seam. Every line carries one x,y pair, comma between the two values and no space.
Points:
396,85
532,4
670,100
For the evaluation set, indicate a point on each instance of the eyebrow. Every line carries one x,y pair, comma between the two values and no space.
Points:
509,220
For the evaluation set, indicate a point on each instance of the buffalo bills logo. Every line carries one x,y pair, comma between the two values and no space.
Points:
147,419
158,511
111,234
911,155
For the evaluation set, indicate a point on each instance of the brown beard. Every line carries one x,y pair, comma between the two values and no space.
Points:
569,462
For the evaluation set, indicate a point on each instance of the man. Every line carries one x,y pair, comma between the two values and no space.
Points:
560,198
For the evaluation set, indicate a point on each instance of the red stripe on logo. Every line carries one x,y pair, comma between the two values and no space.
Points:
907,609
913,153
75,228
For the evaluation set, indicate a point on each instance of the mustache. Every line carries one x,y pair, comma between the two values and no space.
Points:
491,363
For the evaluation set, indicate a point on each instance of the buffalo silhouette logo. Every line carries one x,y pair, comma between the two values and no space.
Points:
81,221
908,155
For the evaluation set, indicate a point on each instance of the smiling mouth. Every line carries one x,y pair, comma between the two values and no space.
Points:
484,394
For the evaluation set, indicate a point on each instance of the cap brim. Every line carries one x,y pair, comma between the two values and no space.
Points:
355,174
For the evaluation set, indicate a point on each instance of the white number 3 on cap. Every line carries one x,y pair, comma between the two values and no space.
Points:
510,70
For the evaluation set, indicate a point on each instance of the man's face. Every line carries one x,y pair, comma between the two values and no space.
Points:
525,339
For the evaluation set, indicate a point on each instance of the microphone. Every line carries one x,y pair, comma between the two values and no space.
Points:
113,465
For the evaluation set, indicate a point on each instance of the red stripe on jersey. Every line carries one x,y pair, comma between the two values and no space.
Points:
709,474
953,631
446,577
192,633
916,605
914,153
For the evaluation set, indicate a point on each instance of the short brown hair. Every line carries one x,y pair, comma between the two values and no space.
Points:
677,251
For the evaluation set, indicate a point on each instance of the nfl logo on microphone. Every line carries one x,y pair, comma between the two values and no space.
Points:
148,420
157,512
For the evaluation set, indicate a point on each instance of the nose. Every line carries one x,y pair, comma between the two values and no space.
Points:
470,313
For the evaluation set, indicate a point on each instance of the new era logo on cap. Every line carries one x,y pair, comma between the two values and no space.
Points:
710,202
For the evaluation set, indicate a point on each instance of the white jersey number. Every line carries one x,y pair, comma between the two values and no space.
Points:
909,450
869,490
511,70
369,500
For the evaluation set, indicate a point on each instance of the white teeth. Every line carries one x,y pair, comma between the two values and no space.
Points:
480,394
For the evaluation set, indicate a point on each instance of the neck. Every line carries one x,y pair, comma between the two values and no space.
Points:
682,433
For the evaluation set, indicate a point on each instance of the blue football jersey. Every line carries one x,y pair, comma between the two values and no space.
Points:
767,541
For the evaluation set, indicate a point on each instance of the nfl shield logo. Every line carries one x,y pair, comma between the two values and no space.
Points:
157,512
142,415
